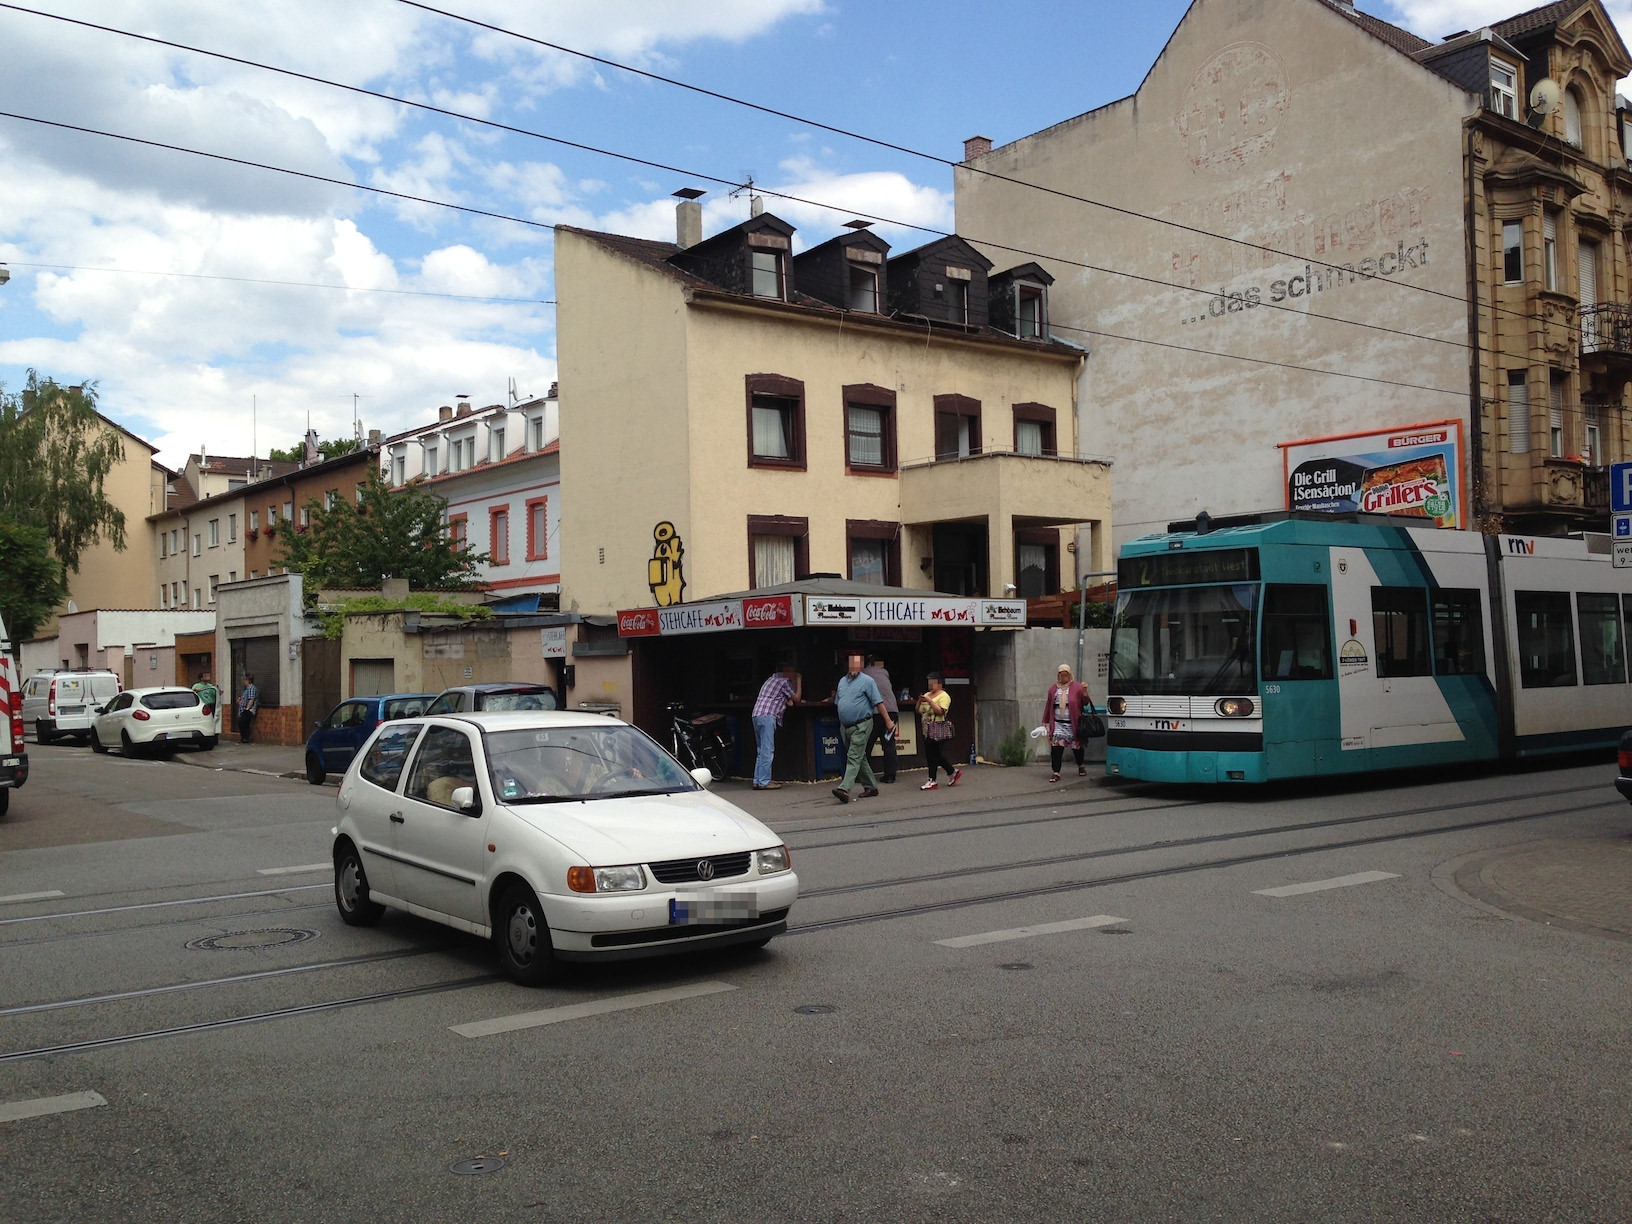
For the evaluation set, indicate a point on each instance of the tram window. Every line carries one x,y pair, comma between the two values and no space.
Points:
1546,639
1399,621
1297,633
1459,633
1603,649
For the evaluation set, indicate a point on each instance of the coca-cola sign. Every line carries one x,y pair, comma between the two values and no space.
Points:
768,611
639,622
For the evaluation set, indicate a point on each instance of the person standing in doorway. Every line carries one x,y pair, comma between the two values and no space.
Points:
892,711
1061,712
784,687
936,728
249,704
857,699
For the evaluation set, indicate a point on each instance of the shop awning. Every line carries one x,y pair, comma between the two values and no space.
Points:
822,602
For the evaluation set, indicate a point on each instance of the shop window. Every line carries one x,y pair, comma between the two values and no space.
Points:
778,550
498,535
869,428
1297,633
1546,639
957,427
873,551
1034,430
1399,622
776,421
1459,633
1603,648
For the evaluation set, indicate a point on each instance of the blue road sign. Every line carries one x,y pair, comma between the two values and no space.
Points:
1620,488
1623,526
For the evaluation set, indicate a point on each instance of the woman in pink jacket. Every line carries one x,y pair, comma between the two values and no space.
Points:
1060,714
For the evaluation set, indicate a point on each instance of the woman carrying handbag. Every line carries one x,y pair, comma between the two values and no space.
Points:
1061,712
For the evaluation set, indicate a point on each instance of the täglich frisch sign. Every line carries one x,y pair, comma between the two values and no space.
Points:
1415,472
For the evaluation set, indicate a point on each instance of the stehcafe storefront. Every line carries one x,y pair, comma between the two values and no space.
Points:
712,656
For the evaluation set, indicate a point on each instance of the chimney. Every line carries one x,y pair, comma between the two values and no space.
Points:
976,146
462,411
688,217
445,412
373,437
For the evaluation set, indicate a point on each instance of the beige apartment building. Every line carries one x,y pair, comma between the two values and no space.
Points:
1341,254
739,417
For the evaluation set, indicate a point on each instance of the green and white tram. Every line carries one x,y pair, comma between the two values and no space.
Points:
1293,645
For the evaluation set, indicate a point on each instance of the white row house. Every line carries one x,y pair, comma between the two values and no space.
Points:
499,468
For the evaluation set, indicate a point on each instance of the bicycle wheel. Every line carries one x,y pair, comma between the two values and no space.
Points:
714,759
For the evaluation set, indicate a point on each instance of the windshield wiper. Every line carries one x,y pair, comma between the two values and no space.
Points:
626,794
547,799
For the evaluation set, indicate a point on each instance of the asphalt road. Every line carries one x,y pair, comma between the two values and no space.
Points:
1069,1006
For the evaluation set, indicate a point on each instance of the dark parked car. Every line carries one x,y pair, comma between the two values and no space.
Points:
1624,782
469,698
337,738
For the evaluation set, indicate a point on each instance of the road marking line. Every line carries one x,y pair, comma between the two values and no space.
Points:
16,1111
1293,890
39,896
1026,932
578,1011
301,870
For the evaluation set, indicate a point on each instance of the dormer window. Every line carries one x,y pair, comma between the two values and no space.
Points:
957,294
767,273
863,289
1029,315
1504,89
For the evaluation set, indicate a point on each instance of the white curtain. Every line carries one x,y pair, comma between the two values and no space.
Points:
770,433
1029,437
773,560
866,435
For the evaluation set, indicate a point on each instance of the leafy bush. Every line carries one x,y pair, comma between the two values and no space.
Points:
1012,751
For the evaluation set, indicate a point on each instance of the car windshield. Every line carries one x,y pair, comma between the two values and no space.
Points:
542,699
559,764
1183,640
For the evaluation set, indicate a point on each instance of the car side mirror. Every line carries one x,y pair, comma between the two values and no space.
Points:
702,776
463,798
318,725
100,709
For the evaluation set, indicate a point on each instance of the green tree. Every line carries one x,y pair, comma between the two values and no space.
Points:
331,449
34,581
55,455
390,533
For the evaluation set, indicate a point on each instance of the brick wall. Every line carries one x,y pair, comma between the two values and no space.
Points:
274,725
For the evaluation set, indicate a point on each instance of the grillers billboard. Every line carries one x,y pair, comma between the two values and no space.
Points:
1415,472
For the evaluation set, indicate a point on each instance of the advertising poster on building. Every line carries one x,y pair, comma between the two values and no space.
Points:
1414,472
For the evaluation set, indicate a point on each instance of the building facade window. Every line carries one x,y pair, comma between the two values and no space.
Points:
776,421
1555,414
873,551
869,422
957,427
330,496
495,443
399,469
538,529
1572,118
1034,430
215,533
1518,412
164,545
1031,317
778,550
254,520
498,535
232,529
535,432
271,517
1512,252
198,598
1592,438
1549,251
214,579
197,542
863,294
458,531
765,269
164,596
430,459
1504,88
1036,562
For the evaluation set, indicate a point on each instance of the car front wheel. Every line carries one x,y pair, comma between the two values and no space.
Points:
314,769
523,937
96,742
351,896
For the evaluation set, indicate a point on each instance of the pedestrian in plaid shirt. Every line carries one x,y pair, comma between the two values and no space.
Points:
784,687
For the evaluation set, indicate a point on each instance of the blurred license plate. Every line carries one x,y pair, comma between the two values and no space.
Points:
716,907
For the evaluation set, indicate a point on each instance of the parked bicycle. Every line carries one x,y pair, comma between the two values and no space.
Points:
699,741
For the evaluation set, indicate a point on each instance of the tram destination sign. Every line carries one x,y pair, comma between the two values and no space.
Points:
1188,567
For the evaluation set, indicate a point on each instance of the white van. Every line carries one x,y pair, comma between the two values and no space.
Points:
59,703
13,759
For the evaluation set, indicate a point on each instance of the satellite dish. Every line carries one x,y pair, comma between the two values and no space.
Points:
1544,96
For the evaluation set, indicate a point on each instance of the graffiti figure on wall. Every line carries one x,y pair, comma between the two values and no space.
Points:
663,572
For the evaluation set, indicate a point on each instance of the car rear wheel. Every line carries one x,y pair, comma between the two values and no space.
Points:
5,800
314,769
351,896
523,937
125,746
209,742
96,742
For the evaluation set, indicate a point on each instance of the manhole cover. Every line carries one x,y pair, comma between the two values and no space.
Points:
1016,965
476,1164
239,941
815,1009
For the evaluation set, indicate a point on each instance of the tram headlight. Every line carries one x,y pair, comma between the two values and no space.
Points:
1116,705
1234,707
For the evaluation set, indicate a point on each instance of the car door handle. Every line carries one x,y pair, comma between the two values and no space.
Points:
396,818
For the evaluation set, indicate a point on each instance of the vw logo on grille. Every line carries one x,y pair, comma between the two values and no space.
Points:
705,869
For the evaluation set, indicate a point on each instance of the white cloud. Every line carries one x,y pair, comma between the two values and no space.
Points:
1434,19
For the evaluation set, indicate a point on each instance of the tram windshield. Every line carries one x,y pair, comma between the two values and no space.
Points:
1183,640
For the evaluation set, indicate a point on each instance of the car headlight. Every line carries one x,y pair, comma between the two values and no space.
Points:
605,879
1234,707
769,862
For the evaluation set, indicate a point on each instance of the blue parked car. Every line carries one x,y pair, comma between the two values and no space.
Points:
337,738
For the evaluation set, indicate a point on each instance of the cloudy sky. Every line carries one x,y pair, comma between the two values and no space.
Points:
224,305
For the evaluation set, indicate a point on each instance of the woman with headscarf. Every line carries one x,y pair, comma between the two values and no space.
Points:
1060,714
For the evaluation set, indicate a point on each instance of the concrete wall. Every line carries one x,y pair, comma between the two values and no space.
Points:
261,608
1281,123
1013,672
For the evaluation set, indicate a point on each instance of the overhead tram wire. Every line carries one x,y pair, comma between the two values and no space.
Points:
255,280
498,216
711,178
919,153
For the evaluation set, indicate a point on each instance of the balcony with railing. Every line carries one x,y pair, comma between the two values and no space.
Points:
1606,329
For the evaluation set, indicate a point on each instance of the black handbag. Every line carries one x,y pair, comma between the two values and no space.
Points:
1090,725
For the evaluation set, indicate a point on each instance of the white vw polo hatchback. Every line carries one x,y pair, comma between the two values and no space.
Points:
562,836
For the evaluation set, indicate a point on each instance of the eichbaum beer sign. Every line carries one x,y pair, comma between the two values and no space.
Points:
1414,472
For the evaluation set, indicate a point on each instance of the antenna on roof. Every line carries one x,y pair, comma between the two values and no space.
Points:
1545,96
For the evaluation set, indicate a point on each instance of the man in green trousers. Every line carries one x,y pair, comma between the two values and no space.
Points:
858,699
